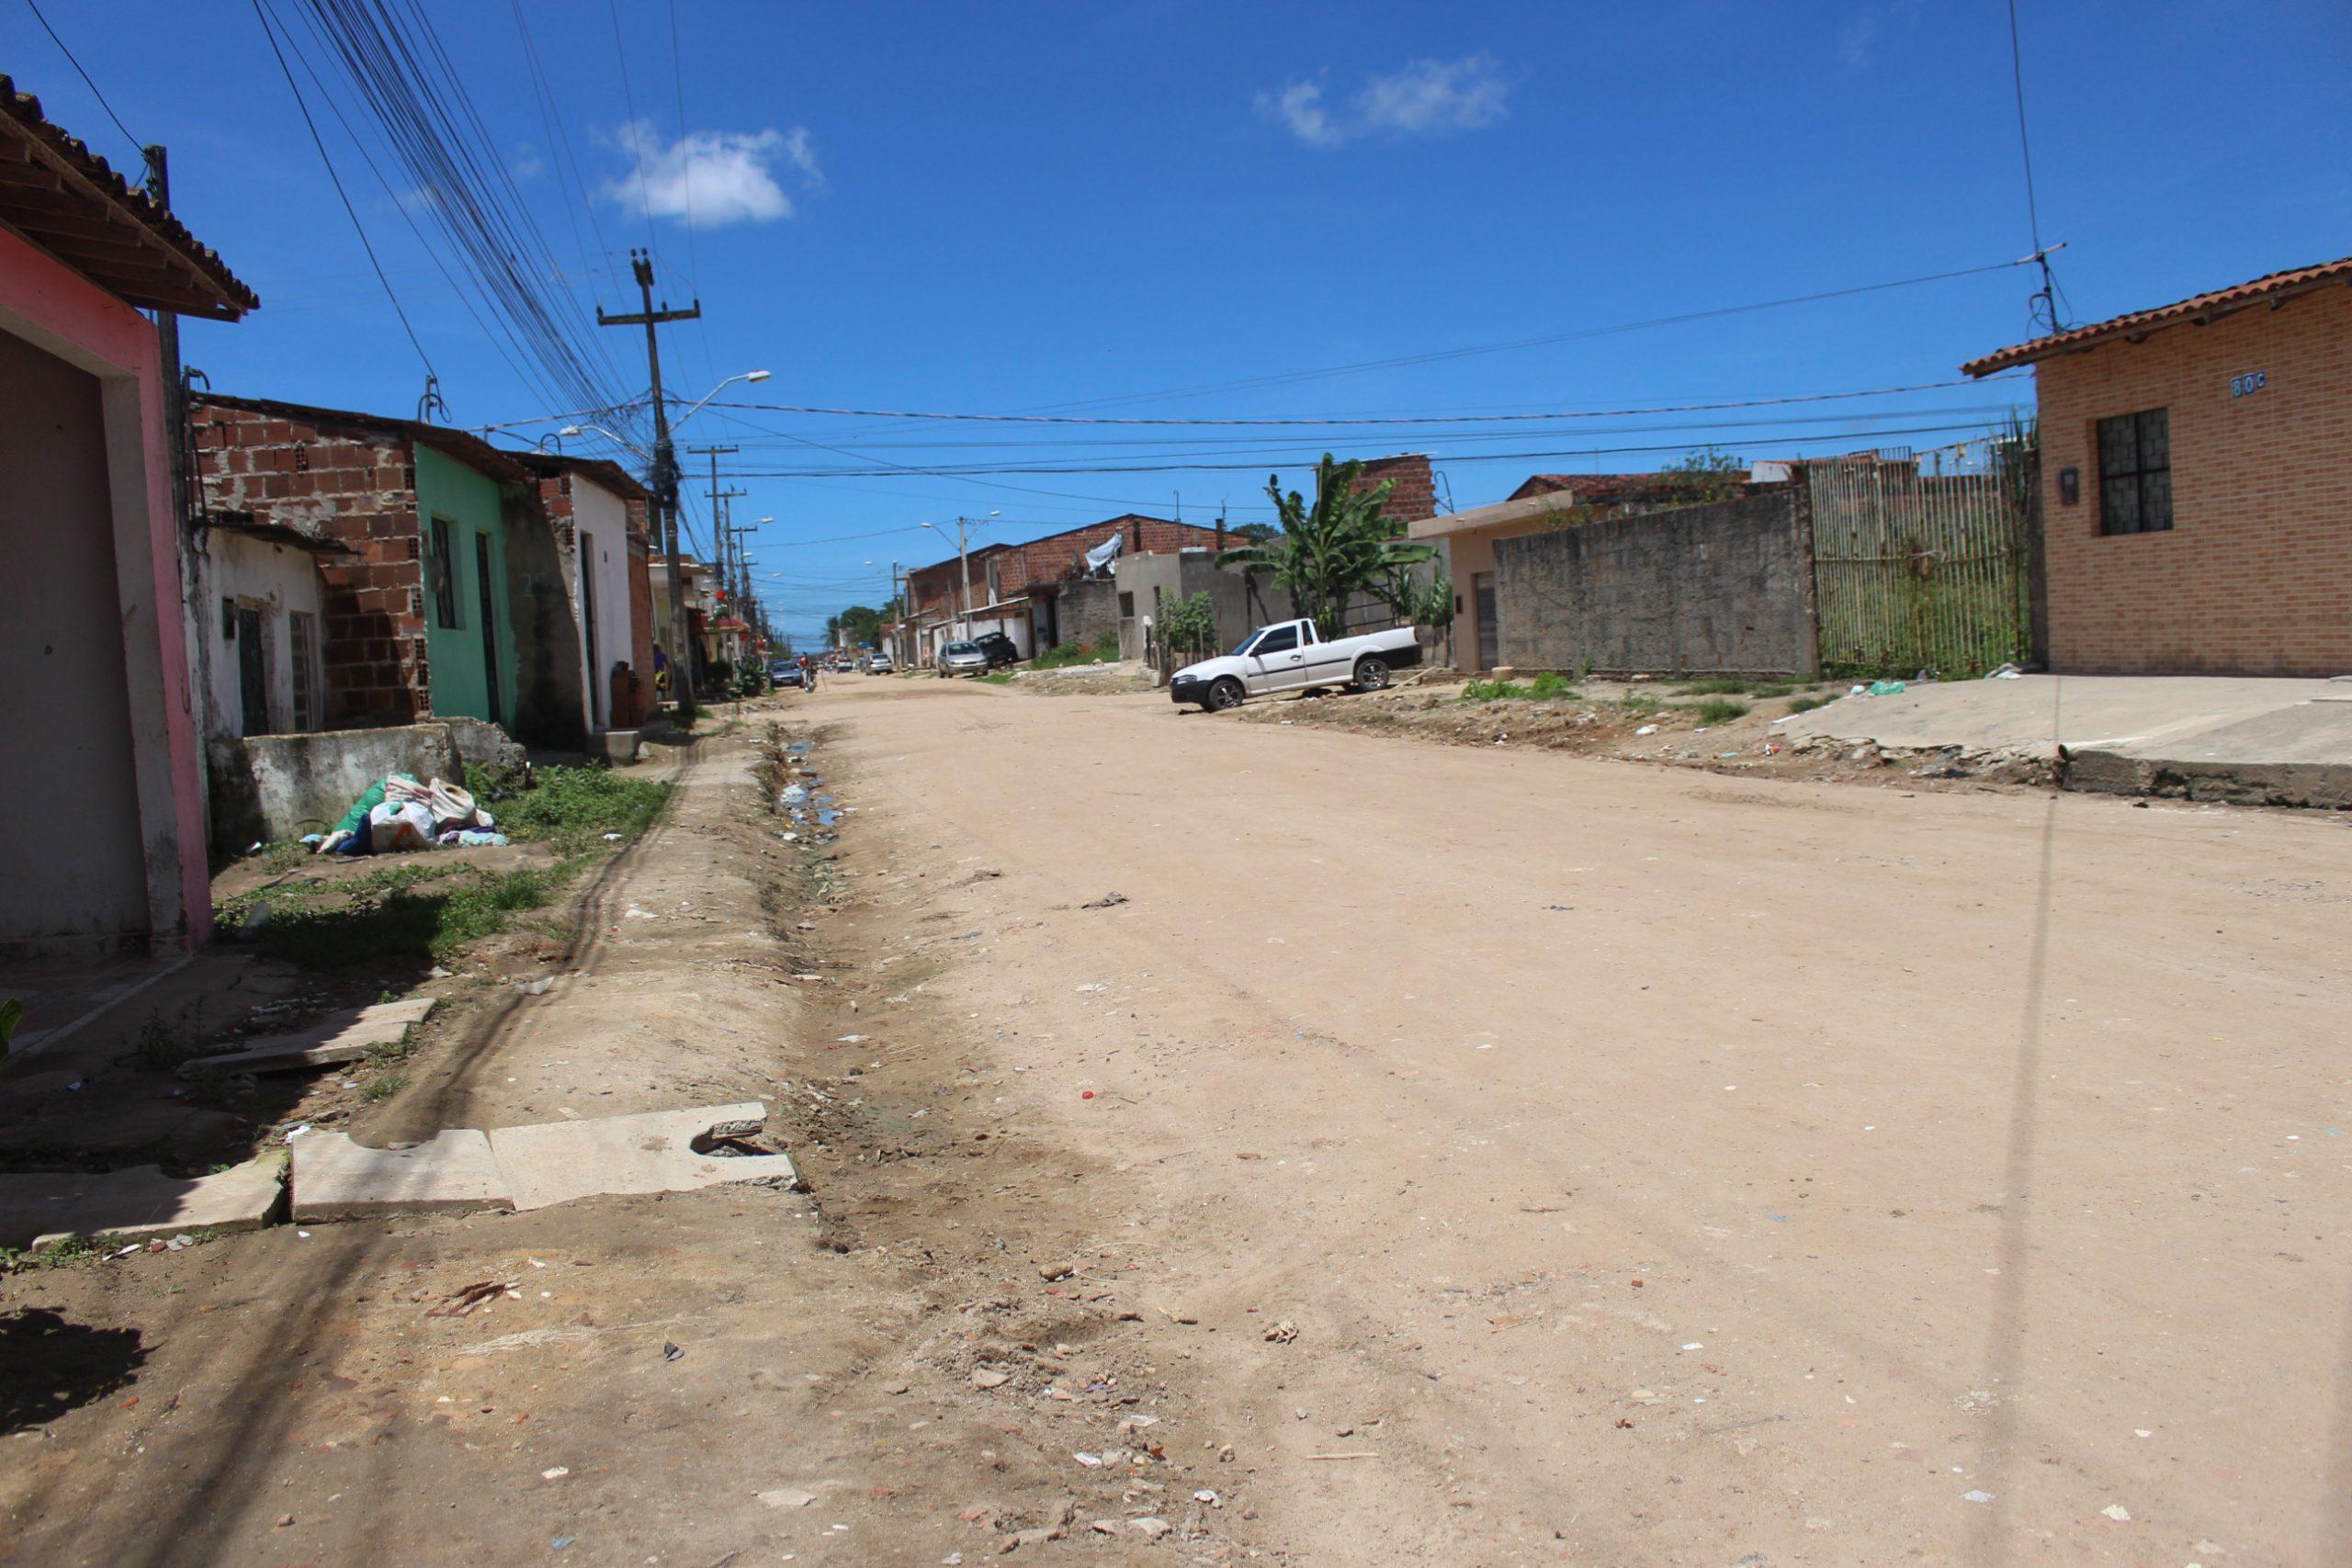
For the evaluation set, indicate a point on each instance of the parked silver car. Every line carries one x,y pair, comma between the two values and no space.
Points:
962,659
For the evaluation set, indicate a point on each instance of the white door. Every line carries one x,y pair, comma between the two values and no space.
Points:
1277,662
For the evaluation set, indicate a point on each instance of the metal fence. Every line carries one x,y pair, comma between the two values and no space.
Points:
1921,560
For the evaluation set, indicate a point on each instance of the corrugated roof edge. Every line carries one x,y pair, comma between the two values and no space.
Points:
26,111
468,449
2272,286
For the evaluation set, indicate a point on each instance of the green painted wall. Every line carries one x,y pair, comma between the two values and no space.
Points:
467,502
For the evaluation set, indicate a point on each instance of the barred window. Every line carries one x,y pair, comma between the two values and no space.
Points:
2135,472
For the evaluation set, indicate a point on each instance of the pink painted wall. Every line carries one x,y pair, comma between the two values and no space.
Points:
63,313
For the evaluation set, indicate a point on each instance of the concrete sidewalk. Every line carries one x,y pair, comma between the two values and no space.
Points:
2249,741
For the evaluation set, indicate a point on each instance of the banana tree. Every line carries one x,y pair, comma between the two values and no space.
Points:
1342,545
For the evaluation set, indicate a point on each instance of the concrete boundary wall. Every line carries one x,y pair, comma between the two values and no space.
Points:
1723,588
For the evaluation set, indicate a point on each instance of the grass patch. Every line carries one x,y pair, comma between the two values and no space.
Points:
1491,691
417,907
998,678
1552,687
1640,705
572,808
1105,650
1717,710
1733,686
162,1044
383,1087
1808,703
406,924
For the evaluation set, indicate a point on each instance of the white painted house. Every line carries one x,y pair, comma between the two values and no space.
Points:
260,619
592,505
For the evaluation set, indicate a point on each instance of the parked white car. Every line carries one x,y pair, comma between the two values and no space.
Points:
1290,657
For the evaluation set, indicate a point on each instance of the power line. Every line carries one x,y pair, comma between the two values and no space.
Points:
2043,307
392,55
968,471
320,142
1435,355
70,60
559,143
1237,441
1382,419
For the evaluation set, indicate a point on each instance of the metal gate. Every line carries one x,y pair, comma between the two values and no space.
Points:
1919,561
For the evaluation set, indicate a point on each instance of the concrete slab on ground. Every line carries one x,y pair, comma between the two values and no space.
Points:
2256,741
658,1151
344,1036
140,1201
335,1179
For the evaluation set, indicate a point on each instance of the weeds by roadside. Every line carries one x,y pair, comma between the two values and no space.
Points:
1551,687
1716,710
998,678
1807,704
572,808
418,908
1105,652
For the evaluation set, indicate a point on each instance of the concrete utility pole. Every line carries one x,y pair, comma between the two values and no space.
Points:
902,649
963,581
730,580
664,478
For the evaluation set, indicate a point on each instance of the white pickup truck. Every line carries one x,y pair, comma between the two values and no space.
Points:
1289,657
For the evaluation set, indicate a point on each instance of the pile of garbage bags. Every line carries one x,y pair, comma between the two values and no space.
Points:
397,814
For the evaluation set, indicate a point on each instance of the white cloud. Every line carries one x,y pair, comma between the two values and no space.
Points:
1300,106
1427,97
713,178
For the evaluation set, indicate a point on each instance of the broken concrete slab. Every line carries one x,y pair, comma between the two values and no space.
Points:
660,1151
140,1202
344,1036
335,1179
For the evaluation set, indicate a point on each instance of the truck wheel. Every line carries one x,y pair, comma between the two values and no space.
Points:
1371,672
1223,694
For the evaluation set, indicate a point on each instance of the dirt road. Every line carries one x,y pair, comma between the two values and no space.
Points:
1658,1167
1233,1142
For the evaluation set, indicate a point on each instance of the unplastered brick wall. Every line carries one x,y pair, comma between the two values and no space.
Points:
352,484
1415,496
2255,576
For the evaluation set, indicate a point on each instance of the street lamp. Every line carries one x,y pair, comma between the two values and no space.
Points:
746,376
572,431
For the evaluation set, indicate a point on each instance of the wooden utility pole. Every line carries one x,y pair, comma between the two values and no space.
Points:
663,478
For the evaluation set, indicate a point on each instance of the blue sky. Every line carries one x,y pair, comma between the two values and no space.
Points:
1135,211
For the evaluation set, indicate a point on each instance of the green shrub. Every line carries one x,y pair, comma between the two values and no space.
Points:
1717,710
1105,650
1807,704
1492,690
1552,687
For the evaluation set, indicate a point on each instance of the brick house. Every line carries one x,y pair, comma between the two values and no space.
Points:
453,601
2196,493
598,515
1025,589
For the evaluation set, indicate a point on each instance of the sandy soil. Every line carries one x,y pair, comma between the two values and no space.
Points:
1661,1166
1458,1155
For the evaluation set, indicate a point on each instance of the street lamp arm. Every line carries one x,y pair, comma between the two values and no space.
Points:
747,376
